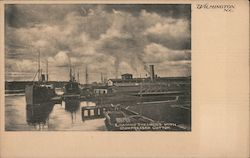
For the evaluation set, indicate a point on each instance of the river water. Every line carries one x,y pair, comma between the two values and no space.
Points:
48,117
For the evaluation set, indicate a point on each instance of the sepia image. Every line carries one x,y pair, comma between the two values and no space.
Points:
97,67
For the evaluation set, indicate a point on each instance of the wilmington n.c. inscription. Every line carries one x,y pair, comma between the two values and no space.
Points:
224,7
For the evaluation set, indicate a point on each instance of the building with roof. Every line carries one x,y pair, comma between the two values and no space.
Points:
127,82
101,89
151,84
127,76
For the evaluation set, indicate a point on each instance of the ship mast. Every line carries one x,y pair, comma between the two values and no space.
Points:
47,71
39,69
78,76
86,74
74,73
70,70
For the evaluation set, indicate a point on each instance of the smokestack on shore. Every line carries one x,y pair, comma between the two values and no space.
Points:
152,72
47,71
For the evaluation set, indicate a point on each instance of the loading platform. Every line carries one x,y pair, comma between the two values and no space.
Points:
92,112
57,99
70,96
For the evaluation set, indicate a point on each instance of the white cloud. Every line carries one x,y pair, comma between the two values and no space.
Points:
177,29
20,69
175,34
104,40
60,59
157,53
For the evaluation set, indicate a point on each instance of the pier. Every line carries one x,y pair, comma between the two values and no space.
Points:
74,96
92,112
57,99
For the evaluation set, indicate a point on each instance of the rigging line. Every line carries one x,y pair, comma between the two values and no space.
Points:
34,76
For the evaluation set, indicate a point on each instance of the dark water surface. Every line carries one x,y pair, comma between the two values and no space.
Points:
67,116
48,116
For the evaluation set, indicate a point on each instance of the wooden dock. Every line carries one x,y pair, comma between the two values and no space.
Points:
71,96
92,112
57,99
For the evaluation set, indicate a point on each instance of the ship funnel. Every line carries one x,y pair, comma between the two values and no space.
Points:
47,71
152,72
43,77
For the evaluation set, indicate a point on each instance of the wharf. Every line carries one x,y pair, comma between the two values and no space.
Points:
148,93
74,96
57,99
93,112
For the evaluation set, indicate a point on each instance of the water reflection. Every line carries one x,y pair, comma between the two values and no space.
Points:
38,115
48,116
72,105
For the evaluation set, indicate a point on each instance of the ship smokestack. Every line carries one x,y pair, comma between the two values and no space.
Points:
152,72
47,71
86,75
102,78
43,77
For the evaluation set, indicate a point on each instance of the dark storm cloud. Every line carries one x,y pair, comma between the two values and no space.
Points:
27,15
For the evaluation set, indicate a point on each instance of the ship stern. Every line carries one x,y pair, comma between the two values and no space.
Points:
29,94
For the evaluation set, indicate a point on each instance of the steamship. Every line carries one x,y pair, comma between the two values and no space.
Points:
40,91
72,87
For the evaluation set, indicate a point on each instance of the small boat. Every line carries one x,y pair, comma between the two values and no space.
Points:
72,87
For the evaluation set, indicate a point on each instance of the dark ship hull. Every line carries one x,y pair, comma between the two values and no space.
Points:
72,88
38,114
37,94
72,105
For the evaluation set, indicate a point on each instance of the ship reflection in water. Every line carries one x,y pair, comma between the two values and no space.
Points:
72,105
70,116
38,115
48,116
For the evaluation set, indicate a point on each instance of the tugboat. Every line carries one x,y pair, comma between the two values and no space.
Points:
72,88
40,91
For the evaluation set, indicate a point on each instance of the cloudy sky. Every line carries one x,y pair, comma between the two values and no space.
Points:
109,39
